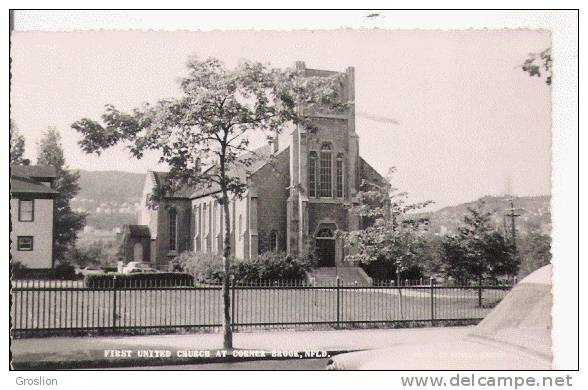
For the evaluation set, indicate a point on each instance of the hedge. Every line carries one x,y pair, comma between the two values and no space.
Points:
139,280
60,272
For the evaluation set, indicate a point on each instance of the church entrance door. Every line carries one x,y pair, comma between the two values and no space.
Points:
325,244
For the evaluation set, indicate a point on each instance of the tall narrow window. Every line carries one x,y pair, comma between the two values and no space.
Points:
339,174
195,213
273,241
326,187
173,229
312,158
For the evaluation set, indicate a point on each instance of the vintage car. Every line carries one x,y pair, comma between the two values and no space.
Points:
137,267
515,335
91,270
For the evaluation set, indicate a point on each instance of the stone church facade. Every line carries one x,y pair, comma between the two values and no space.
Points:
293,203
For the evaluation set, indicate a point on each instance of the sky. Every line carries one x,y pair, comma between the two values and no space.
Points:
463,117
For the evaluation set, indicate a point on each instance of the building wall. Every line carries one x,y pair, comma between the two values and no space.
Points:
208,225
271,184
337,129
147,215
163,254
41,229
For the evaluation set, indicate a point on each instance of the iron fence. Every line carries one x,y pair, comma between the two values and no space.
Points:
46,307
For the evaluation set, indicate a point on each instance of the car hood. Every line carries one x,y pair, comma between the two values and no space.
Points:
516,335
468,353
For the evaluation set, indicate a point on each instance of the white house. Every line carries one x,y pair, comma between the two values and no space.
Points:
32,215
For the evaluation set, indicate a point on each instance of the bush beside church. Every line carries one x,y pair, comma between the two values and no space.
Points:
207,267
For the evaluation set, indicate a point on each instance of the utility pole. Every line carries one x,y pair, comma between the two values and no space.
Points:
513,216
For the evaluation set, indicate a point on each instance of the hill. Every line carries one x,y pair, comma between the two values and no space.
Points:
534,211
110,186
110,197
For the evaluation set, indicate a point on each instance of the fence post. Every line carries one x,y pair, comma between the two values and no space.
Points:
338,308
114,304
232,302
432,288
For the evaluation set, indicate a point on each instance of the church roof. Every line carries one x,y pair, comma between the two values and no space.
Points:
260,158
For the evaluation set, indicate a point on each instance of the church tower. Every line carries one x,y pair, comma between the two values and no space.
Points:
324,176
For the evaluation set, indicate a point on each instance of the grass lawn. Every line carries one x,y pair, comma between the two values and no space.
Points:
89,309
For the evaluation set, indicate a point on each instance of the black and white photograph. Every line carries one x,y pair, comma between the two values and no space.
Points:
348,197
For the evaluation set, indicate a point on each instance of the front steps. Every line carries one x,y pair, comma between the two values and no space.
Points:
348,276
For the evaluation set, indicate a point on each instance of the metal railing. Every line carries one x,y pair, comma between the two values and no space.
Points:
46,307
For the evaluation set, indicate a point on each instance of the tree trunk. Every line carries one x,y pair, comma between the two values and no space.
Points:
227,329
479,291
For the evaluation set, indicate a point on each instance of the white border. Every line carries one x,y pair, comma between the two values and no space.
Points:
565,137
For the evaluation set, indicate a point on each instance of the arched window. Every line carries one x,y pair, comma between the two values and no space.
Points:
214,220
195,214
326,187
312,159
273,242
339,175
173,229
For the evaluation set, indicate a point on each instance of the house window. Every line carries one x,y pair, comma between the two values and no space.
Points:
25,243
326,188
173,229
273,241
339,175
312,158
26,210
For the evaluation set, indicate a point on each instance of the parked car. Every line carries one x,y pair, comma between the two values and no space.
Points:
92,270
138,266
515,335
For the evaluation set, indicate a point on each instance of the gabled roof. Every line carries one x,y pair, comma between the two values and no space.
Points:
137,231
33,171
370,175
161,177
26,185
260,158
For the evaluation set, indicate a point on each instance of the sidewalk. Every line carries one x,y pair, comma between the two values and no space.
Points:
93,352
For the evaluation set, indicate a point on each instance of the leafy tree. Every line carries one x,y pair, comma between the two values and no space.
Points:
17,146
390,235
478,251
539,64
99,253
203,134
534,251
67,221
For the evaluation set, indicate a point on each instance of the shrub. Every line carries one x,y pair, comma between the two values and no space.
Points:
208,267
155,279
60,272
204,267
276,266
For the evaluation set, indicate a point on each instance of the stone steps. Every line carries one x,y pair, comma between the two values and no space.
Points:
327,276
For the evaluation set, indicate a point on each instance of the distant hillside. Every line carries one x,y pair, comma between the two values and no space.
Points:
535,214
110,186
110,197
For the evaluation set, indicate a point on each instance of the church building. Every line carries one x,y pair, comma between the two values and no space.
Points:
295,202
